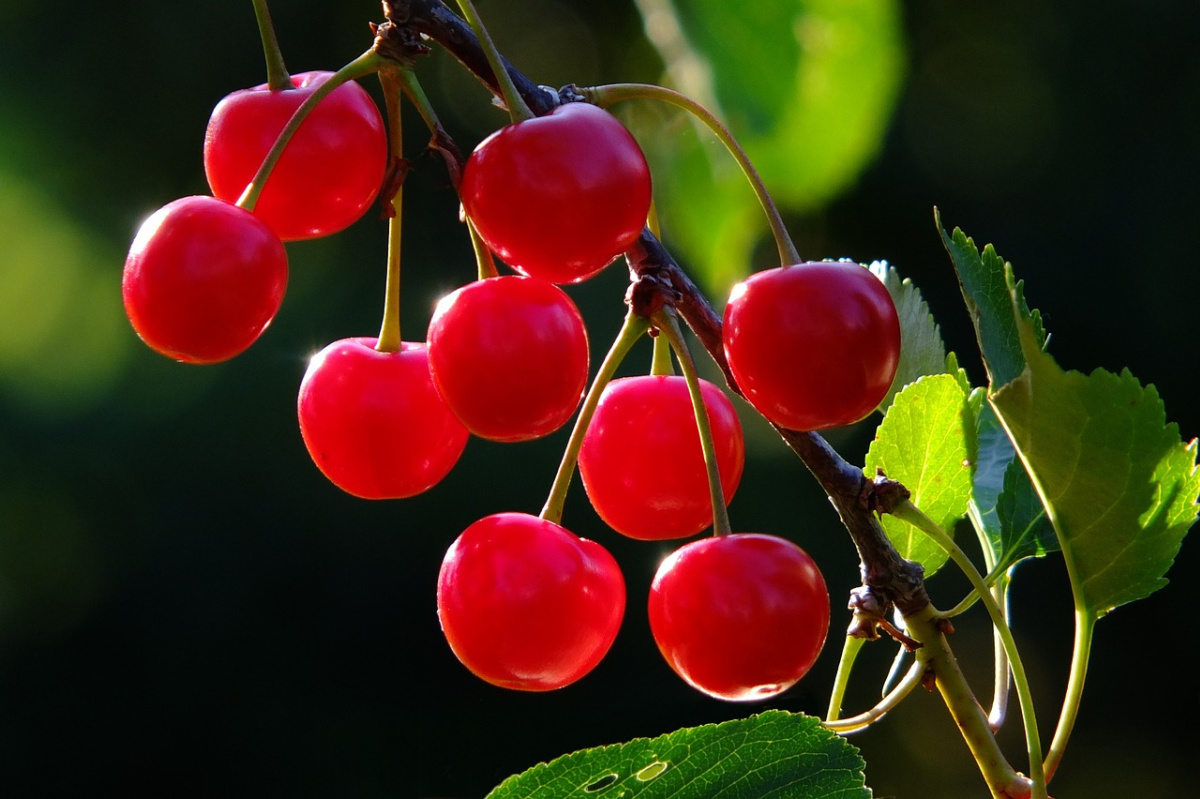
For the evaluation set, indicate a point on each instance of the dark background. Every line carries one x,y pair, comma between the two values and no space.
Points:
188,608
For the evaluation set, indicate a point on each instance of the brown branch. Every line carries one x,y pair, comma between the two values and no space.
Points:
888,579
436,20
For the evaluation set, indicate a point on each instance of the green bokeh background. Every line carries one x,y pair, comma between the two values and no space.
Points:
188,608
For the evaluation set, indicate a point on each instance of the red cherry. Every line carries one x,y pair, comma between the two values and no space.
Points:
739,617
510,356
527,604
203,279
641,461
374,423
559,196
812,345
332,167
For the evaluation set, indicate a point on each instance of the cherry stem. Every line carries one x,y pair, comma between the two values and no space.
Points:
483,254
362,66
439,140
390,339
863,720
416,94
518,109
851,646
661,364
908,512
668,325
632,329
277,75
609,94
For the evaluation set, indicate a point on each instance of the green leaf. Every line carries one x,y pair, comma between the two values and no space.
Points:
982,279
1118,483
1005,508
808,87
774,755
927,442
922,351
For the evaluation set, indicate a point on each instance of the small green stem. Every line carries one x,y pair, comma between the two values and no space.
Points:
997,581
908,512
863,720
390,339
894,670
1003,673
1085,624
652,219
277,74
936,657
851,646
360,67
661,361
633,328
484,261
668,325
518,110
973,596
607,95
439,140
416,94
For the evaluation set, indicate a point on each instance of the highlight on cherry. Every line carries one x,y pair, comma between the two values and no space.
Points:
560,191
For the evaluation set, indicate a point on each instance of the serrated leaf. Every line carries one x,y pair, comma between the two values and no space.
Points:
922,351
1004,505
1117,481
811,108
960,374
986,293
774,755
927,442
1025,528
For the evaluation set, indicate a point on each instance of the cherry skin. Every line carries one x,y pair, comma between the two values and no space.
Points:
203,279
331,169
812,345
739,617
641,461
510,356
373,422
527,604
559,196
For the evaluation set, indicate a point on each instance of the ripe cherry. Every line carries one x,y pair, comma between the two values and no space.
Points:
374,423
330,171
526,604
510,356
203,279
641,461
559,196
739,617
813,345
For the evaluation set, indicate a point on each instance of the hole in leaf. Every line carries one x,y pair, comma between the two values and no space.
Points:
651,771
602,783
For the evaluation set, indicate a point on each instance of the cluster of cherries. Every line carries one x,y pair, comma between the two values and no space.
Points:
525,603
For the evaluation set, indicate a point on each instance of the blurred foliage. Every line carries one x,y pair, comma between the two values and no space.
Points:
186,607
807,86
63,340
